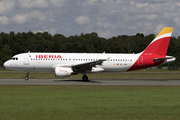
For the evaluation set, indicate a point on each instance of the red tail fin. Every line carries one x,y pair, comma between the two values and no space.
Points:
160,44
155,53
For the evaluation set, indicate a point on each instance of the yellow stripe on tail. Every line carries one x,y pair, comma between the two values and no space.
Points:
165,31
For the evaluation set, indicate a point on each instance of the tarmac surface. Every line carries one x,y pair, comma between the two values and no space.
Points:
165,82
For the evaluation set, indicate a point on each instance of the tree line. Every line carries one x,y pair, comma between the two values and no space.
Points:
12,44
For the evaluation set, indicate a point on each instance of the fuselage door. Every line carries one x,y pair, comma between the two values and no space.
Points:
26,59
140,61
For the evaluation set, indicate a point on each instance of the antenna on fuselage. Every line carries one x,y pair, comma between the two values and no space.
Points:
29,52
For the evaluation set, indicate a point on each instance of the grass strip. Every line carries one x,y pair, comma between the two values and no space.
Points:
139,74
119,75
89,102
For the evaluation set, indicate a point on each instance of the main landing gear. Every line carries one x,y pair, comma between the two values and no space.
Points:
85,78
27,74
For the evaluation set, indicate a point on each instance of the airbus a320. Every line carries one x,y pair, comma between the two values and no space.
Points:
67,64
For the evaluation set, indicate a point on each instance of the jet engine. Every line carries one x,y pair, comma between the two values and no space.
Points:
63,72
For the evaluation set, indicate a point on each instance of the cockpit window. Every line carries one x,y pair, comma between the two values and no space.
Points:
14,58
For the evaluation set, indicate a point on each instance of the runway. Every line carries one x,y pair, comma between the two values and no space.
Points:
164,82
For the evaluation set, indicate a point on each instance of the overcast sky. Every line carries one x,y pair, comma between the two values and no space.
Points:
108,18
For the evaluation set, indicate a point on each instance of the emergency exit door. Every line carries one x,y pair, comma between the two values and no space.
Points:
26,59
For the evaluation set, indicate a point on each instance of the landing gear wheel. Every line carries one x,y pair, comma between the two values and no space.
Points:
85,78
27,74
26,78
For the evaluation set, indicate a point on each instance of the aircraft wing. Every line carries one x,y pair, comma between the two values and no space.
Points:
87,66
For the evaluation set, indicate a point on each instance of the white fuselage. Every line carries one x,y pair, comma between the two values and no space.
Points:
48,61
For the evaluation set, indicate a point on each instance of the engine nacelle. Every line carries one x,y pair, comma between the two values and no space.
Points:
63,72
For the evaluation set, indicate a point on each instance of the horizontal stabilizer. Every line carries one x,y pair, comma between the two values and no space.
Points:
166,58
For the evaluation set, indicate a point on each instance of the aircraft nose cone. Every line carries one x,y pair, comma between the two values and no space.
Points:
6,64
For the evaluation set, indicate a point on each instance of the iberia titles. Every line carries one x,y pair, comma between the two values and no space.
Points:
48,56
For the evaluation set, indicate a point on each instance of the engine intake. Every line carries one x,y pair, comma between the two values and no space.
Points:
63,72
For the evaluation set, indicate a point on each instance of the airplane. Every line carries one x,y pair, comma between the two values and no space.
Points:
67,64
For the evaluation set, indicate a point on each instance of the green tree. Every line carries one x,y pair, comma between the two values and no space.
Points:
5,53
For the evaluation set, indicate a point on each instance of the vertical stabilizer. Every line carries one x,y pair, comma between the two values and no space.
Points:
155,53
160,44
